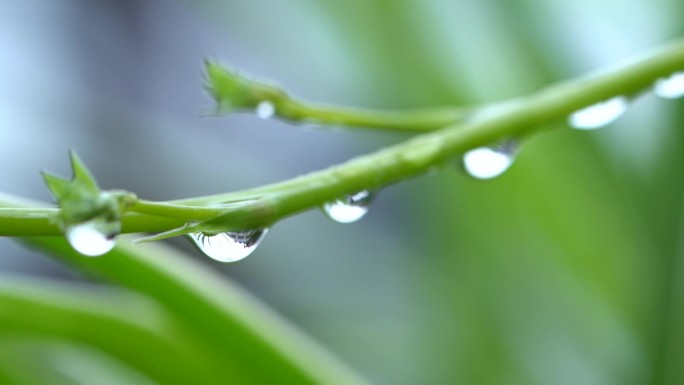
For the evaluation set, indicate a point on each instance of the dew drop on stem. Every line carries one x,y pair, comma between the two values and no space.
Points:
490,162
265,109
350,208
599,114
230,246
92,238
671,87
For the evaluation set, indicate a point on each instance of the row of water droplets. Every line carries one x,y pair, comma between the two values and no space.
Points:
480,163
607,111
96,237
490,162
233,246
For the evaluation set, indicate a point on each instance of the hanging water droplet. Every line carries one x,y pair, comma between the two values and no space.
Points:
599,114
490,162
230,246
671,87
92,238
265,109
349,208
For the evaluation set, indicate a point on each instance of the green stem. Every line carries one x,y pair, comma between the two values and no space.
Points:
25,221
176,211
419,120
417,155
232,91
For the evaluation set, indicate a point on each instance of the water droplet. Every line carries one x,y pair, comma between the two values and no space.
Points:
490,162
265,110
92,238
599,114
349,208
671,87
230,246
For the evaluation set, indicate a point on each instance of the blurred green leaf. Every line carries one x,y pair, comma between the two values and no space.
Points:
123,324
255,343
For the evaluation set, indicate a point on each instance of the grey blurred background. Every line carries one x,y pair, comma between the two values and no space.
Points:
563,271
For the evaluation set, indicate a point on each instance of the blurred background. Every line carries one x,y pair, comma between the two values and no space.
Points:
565,270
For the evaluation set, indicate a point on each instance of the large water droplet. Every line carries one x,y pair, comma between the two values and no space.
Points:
349,208
265,109
92,238
671,87
230,246
490,162
599,114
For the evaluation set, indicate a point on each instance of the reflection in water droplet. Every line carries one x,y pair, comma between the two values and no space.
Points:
490,162
91,238
671,87
599,114
265,110
349,208
230,246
